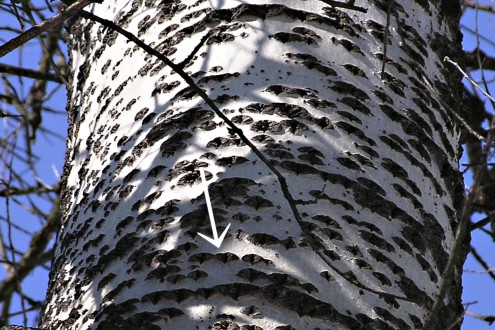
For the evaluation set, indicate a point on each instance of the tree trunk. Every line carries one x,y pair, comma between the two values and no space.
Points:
362,234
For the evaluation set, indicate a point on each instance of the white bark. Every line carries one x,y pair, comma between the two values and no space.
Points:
370,162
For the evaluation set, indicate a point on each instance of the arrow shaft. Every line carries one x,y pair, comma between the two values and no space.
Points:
208,204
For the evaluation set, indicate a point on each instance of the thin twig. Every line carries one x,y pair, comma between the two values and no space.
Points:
447,59
456,115
464,123
482,262
488,318
480,224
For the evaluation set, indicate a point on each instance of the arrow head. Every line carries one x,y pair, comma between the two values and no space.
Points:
218,240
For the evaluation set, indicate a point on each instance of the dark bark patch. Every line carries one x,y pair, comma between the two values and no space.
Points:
395,169
252,312
348,45
218,77
327,276
372,185
258,202
353,130
176,278
293,126
224,98
354,104
301,56
105,280
371,227
262,239
279,154
370,151
387,316
305,32
384,97
361,159
349,89
155,171
376,241
325,69
287,90
161,272
255,259
231,161
242,119
320,104
141,114
126,191
298,168
384,280
311,158
285,37
251,274
355,70
349,163
197,274
224,142
175,143
220,38
165,257
165,88
207,125
332,255
267,126
123,224
406,194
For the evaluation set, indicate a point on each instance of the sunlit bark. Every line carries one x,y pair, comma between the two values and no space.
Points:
370,159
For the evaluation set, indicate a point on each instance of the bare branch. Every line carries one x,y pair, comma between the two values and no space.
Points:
477,57
488,318
43,27
33,257
196,49
477,5
447,59
482,262
29,73
10,191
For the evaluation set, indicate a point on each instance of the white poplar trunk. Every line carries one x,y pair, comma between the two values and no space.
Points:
370,160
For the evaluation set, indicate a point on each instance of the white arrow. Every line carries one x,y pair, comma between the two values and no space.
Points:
217,241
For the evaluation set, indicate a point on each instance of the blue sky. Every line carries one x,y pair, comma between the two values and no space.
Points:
479,288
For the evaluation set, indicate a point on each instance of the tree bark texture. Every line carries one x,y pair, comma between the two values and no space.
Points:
370,160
